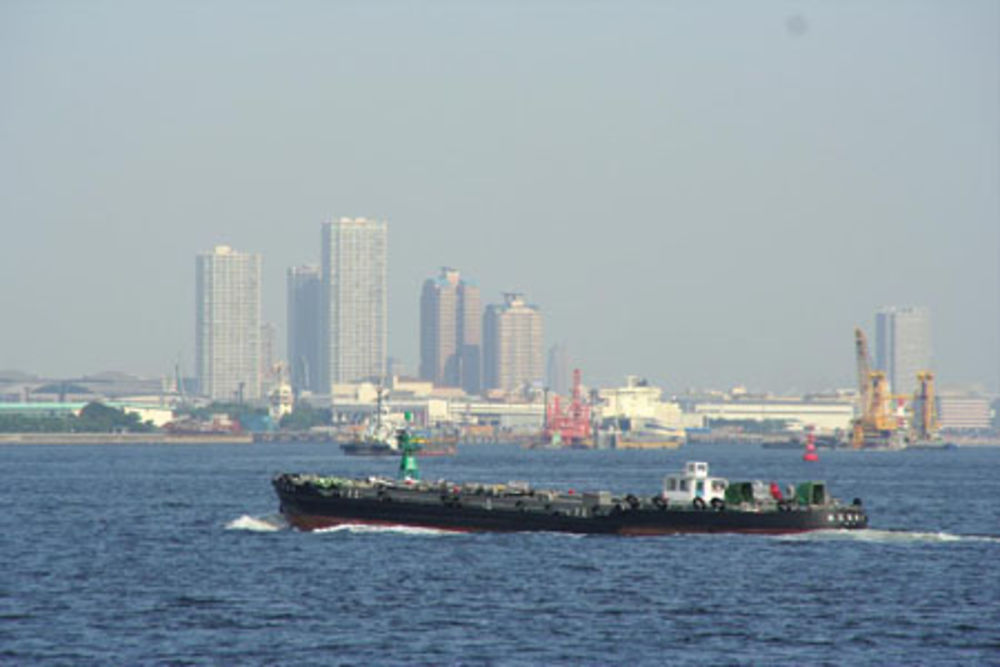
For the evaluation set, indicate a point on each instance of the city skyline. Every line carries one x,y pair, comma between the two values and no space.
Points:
706,196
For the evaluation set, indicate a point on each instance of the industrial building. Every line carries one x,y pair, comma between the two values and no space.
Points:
827,414
964,412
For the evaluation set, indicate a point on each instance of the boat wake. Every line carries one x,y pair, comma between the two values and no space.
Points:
889,537
360,529
258,524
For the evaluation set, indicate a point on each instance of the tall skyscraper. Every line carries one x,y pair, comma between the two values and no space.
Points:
512,344
268,335
355,305
902,345
305,328
450,332
557,371
227,324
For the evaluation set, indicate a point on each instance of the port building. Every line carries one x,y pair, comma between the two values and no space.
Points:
959,412
827,413
228,324
451,332
512,344
355,305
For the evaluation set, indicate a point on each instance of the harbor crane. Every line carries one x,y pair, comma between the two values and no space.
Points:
878,424
875,424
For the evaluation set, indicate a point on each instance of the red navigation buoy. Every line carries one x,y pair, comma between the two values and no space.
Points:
810,454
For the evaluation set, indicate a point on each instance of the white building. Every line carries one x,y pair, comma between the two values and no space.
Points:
355,305
827,415
227,324
903,345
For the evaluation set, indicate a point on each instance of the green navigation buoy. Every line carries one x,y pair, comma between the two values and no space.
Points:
408,462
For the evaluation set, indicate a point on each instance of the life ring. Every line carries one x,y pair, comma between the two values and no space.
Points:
699,503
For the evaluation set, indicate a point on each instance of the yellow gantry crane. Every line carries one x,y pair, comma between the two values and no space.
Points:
876,421
878,424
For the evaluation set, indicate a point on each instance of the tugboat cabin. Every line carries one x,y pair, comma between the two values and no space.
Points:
694,486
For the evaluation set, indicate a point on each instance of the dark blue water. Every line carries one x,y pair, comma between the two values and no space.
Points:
140,555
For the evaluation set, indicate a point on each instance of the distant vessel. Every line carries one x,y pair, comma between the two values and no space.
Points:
380,437
646,434
634,417
690,502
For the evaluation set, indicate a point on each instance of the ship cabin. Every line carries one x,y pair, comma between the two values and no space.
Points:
694,486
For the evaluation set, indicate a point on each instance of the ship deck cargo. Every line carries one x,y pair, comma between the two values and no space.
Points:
312,502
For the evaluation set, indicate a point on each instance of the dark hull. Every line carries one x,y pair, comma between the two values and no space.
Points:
308,511
375,449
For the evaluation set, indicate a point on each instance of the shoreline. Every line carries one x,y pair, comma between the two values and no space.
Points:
122,439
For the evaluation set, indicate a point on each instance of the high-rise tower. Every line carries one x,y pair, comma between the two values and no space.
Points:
355,309
557,371
227,324
902,345
450,332
512,344
305,327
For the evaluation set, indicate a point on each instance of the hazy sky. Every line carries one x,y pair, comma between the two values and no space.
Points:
704,193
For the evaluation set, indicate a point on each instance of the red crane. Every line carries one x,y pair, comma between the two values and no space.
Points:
573,424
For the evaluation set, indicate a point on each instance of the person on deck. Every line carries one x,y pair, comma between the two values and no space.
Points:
776,491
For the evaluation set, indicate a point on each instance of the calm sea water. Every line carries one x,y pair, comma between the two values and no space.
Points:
148,555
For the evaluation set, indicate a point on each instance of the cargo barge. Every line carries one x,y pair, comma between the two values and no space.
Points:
690,502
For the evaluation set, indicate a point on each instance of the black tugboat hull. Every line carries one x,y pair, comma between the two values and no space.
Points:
309,511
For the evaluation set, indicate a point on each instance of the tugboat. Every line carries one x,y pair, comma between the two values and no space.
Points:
379,437
689,502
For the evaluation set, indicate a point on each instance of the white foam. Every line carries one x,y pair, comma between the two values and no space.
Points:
889,536
258,524
360,528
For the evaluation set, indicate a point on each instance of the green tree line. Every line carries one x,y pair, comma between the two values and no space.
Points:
93,418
